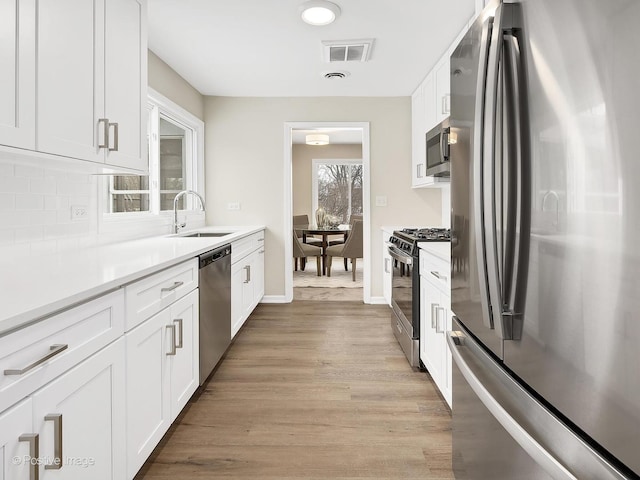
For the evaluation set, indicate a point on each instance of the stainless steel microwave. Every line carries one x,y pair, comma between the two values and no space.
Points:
438,150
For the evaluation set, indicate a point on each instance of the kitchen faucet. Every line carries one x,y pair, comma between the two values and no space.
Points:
177,226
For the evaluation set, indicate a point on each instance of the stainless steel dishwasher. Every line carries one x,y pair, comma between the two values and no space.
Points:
215,307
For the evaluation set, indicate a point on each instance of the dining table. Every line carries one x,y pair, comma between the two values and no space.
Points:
325,233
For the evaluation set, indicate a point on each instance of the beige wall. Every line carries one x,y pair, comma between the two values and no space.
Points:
302,157
166,80
245,163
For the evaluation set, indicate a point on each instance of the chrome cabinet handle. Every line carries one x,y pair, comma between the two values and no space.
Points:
179,322
105,132
172,287
56,418
55,350
34,453
172,351
387,261
445,104
115,137
248,270
419,170
434,315
438,275
261,239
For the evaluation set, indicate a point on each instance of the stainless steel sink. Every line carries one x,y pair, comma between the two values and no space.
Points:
208,234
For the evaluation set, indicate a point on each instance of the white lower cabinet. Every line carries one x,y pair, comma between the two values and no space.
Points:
162,374
386,268
18,440
247,279
435,321
80,419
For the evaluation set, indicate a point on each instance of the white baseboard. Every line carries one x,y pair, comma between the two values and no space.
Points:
378,301
274,299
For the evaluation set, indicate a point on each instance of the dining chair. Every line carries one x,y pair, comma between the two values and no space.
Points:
302,251
302,221
351,249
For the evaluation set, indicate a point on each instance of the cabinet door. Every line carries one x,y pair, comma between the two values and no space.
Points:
238,276
443,90
126,83
257,277
417,136
15,425
148,403
386,269
70,66
248,285
81,419
430,109
18,73
431,347
184,364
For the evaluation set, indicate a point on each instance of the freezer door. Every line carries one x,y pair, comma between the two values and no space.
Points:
581,329
501,432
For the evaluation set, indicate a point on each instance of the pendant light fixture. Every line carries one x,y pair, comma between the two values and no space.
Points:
317,139
319,12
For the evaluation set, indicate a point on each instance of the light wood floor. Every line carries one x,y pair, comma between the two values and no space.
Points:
311,390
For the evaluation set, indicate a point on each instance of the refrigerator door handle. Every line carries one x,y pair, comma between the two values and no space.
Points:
489,153
457,342
478,169
519,195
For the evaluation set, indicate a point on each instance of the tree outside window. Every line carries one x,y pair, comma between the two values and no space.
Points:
338,187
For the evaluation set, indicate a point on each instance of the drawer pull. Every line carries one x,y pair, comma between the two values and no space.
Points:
172,287
34,453
438,275
261,239
55,350
179,322
56,418
172,351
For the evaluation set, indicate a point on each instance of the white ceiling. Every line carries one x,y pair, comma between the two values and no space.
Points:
262,48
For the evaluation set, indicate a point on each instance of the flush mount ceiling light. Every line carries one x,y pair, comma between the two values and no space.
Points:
319,12
317,139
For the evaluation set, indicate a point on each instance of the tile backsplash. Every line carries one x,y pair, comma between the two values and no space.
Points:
35,209
36,205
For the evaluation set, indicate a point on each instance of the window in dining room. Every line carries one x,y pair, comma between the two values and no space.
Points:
337,187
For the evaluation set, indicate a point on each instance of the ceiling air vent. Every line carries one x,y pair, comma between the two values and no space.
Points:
331,75
347,50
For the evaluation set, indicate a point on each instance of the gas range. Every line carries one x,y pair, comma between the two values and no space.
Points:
407,239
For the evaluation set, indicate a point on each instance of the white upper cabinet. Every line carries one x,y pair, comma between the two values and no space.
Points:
17,73
91,80
442,95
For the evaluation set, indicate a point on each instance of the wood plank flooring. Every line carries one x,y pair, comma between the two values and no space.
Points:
311,390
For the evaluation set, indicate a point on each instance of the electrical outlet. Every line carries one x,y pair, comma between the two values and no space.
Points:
233,206
79,212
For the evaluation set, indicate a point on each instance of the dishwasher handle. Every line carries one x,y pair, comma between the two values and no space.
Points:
214,255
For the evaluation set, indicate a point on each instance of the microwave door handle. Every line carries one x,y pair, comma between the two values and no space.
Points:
478,168
442,135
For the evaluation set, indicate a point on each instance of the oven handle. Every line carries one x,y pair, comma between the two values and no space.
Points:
400,256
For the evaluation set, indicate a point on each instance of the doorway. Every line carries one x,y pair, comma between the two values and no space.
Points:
340,133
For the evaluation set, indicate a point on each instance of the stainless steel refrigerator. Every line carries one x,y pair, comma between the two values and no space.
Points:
545,105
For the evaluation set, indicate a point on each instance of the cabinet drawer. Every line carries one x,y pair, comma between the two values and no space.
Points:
436,270
246,245
83,330
148,296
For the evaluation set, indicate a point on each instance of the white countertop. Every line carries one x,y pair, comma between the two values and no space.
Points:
35,287
439,249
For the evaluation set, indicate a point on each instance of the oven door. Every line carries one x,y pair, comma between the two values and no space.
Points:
402,289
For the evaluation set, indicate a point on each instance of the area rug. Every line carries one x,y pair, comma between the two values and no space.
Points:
338,279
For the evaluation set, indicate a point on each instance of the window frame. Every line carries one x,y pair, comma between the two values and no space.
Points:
314,175
160,106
